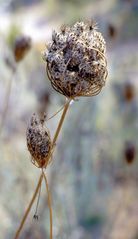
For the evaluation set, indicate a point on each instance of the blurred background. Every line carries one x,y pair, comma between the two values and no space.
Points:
94,175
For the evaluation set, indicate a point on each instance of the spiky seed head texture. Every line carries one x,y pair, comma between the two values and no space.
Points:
76,62
38,141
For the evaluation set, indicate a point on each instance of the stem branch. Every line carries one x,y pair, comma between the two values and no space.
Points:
43,175
29,207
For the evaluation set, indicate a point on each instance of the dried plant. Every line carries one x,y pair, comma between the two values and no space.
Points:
129,91
21,47
76,66
129,152
38,141
76,63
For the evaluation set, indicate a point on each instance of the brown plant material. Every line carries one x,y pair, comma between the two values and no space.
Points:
44,97
129,152
129,92
21,47
38,141
43,102
112,32
76,63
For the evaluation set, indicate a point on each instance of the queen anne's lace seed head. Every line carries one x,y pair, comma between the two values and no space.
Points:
38,141
76,63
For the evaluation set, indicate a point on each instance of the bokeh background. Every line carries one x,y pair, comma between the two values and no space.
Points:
94,175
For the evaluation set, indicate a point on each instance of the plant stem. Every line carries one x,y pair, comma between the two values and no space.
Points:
61,122
49,205
6,103
52,116
66,106
29,207
37,204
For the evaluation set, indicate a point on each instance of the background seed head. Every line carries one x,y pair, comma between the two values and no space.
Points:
38,141
129,152
76,63
21,47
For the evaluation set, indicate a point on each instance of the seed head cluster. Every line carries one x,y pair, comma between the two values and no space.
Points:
38,141
76,63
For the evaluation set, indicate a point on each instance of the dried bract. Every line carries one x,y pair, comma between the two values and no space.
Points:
38,141
76,63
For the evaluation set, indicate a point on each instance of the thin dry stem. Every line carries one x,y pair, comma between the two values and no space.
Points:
37,204
6,103
49,205
61,121
62,107
66,106
29,207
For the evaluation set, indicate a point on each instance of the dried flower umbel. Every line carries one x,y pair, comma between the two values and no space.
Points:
76,62
38,141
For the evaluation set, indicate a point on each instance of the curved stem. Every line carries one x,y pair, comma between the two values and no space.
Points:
29,207
49,206
52,116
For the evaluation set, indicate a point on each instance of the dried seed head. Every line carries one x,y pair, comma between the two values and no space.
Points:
129,92
76,63
21,47
129,152
38,141
112,31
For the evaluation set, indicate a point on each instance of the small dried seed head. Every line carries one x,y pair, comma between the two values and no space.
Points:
76,63
129,152
38,141
129,91
21,47
112,31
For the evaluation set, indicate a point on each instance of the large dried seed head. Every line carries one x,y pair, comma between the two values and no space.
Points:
38,141
76,63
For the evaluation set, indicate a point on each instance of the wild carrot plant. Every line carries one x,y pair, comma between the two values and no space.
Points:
76,66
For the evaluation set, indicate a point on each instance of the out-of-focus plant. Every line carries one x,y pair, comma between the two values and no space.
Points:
20,47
